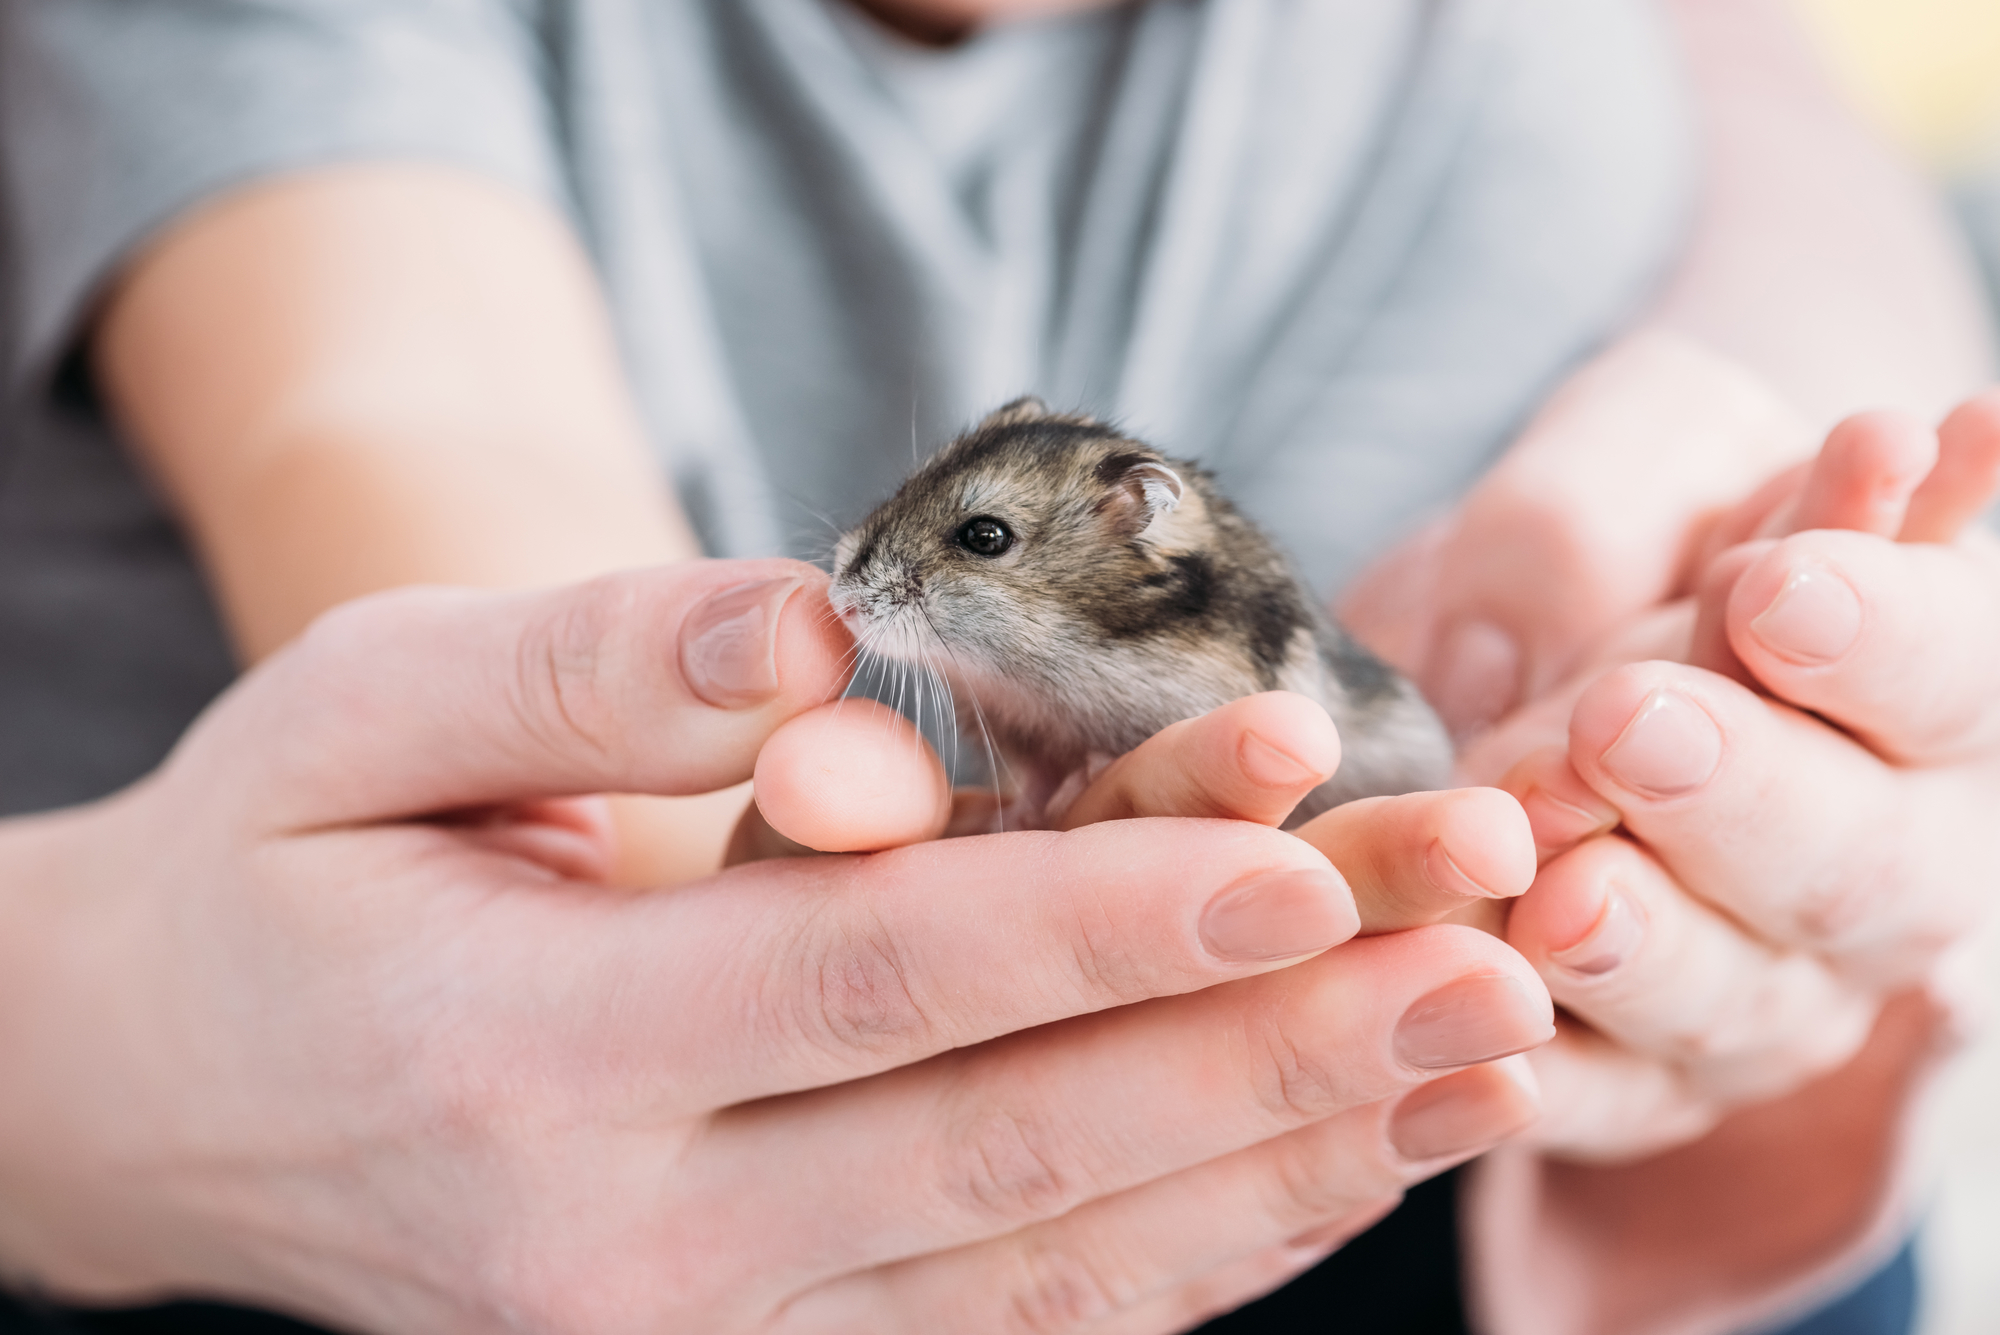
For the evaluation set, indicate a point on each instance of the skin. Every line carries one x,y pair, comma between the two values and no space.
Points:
1251,760
523,1109
370,376
1802,876
1127,1109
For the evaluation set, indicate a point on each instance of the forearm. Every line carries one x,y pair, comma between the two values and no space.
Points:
374,376
1819,259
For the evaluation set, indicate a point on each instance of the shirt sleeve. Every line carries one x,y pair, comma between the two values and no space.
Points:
117,117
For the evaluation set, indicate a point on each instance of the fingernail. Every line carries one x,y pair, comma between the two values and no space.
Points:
1611,940
1445,874
1562,809
1670,747
1278,915
729,643
1460,1114
1478,677
1816,617
1271,766
1559,824
1475,1019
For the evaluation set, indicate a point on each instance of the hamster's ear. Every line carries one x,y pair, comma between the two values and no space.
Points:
1141,492
1027,408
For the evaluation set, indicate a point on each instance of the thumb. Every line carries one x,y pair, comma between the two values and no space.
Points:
1588,519
662,681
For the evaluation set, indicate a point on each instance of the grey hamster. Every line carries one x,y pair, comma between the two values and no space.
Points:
1079,591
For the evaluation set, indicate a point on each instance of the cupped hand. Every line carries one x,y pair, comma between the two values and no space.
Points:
334,1014
1802,822
1600,512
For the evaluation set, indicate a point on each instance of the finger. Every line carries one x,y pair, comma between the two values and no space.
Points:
1608,528
1253,759
1120,1260
852,776
1762,511
788,975
1966,476
1864,477
1414,859
1605,1103
572,837
983,1143
1562,809
663,681
1665,976
1783,823
1709,645
1898,643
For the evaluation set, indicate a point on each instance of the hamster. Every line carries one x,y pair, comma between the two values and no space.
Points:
1079,591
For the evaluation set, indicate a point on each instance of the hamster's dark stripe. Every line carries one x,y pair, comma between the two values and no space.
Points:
1273,617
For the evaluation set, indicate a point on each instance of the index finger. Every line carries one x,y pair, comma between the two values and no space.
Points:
797,973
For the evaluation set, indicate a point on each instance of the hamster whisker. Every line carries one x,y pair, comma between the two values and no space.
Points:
850,662
902,685
993,763
947,707
865,657
848,667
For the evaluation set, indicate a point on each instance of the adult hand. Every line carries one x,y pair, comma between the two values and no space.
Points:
333,1014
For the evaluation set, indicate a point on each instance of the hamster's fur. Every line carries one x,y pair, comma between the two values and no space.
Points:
1126,594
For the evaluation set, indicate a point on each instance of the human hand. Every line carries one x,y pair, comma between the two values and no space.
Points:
1817,852
1586,554
1723,1015
1598,514
285,1023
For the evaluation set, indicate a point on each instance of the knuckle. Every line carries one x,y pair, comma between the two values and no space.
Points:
556,688
1104,968
1001,1168
1841,908
855,993
1057,1290
1308,1185
346,643
1293,1083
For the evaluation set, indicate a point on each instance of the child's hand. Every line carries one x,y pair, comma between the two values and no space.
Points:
1821,849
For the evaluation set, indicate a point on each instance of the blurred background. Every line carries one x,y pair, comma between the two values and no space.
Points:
1927,72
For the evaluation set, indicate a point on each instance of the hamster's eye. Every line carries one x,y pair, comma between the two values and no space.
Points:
985,536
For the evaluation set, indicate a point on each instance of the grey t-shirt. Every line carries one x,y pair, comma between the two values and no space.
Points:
1336,251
